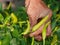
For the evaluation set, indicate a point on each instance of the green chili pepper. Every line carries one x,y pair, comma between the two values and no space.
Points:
40,23
21,23
44,32
28,28
14,18
9,6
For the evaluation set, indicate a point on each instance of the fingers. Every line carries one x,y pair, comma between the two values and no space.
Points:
49,30
27,2
32,20
35,10
50,14
38,37
37,32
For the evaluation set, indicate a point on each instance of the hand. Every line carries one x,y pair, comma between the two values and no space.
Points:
36,10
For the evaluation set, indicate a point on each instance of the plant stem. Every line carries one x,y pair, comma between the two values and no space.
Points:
43,41
32,43
9,6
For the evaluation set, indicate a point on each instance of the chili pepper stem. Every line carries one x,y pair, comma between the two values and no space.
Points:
43,41
32,43
9,6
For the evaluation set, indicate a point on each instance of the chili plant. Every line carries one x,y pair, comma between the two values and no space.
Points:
15,23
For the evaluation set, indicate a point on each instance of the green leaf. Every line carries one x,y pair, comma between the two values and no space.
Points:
1,17
23,42
0,42
13,41
0,6
6,20
53,24
6,40
15,33
56,29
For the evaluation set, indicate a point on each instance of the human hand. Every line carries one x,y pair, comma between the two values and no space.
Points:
37,10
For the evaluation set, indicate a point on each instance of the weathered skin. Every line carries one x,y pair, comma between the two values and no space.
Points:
37,9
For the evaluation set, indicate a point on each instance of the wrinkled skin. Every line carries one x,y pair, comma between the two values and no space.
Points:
36,10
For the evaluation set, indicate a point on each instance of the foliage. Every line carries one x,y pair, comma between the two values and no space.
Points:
14,22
